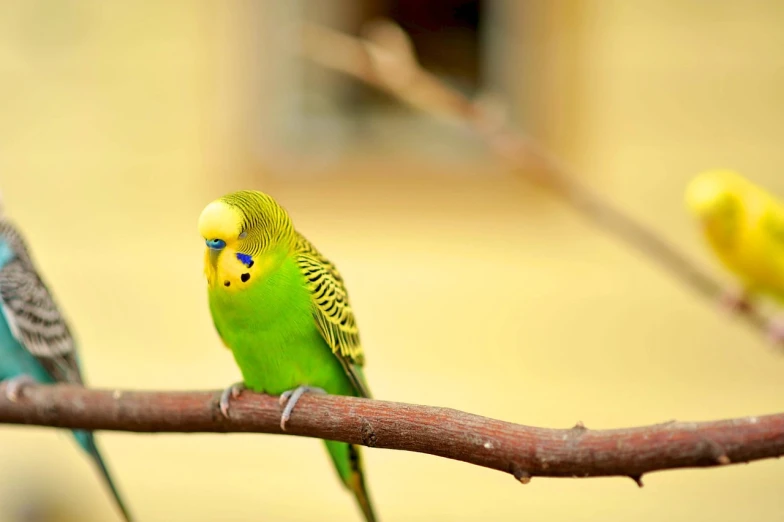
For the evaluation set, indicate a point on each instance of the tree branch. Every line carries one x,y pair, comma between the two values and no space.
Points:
522,451
385,59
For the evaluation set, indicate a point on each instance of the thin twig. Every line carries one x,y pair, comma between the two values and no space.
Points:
522,451
385,59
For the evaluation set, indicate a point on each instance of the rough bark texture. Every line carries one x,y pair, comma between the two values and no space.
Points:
522,451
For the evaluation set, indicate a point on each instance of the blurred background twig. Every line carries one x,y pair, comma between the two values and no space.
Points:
385,58
522,451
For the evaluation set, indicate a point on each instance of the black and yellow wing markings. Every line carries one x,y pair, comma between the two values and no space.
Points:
332,311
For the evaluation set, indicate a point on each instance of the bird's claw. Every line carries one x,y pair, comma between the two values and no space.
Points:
232,392
288,399
284,397
735,301
14,385
775,331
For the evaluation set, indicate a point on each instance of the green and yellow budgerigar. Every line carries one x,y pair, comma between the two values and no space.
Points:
744,226
282,309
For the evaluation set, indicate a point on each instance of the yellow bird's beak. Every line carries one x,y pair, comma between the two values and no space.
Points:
214,254
210,266
211,255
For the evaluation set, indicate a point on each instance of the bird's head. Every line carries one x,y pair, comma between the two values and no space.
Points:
247,236
714,197
12,243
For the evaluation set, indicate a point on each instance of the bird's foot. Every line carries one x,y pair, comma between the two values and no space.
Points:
289,399
232,392
775,331
14,385
735,301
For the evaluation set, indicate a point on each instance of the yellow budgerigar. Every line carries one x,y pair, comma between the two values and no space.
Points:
744,226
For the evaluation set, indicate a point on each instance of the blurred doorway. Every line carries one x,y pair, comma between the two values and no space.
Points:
325,112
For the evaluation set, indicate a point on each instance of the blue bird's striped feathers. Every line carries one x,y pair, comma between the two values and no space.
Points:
34,337
30,312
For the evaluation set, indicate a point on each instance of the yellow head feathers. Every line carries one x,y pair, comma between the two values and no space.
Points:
744,225
249,221
715,194
220,221
248,235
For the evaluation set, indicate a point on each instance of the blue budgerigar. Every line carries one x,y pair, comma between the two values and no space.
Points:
35,342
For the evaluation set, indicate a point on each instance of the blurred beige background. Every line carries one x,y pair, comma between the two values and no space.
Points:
120,121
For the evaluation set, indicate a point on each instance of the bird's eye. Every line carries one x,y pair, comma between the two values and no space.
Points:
216,244
243,235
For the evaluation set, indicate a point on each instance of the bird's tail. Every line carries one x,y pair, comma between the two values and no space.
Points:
349,465
87,442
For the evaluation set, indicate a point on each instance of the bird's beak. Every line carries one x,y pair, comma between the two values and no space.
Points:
211,256
214,253
215,247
